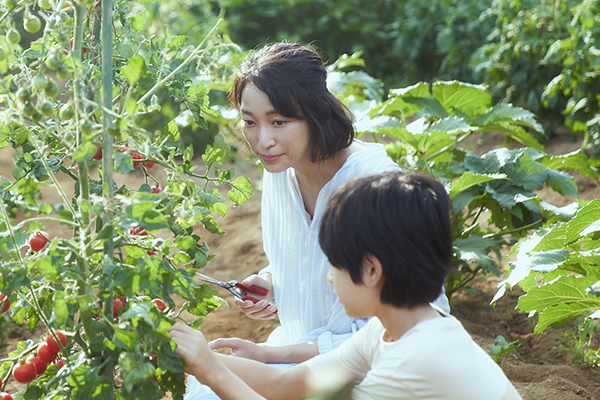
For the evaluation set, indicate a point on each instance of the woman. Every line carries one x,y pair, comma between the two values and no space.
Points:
304,138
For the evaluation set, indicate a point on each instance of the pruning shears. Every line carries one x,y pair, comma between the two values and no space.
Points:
240,291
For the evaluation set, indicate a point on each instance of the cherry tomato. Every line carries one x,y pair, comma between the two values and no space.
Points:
151,253
51,89
10,3
45,4
2,54
46,354
28,109
24,373
137,156
53,62
36,117
5,396
60,362
51,342
62,72
84,49
37,240
39,82
66,112
13,36
47,109
23,95
117,303
138,231
156,189
86,126
5,302
32,24
98,155
160,304
149,164
40,366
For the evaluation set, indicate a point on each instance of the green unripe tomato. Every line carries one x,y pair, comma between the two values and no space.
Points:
12,86
45,4
2,54
62,72
51,89
64,17
47,109
28,109
86,126
37,117
23,95
66,112
32,24
10,4
39,82
13,36
53,62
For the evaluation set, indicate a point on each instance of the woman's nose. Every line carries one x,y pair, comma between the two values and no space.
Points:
266,140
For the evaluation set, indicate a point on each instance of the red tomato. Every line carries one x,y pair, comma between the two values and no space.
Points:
61,362
116,305
40,366
137,231
160,304
37,240
137,156
4,395
45,354
83,48
6,303
151,253
156,189
150,164
51,342
24,373
98,155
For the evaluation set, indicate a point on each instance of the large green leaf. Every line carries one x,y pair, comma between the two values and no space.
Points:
585,221
576,161
469,179
464,97
560,302
504,112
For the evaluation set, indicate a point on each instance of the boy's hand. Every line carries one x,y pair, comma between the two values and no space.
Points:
261,309
242,348
192,347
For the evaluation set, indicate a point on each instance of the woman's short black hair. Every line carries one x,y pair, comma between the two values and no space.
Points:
295,79
402,219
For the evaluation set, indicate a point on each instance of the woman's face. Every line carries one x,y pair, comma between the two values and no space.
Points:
278,141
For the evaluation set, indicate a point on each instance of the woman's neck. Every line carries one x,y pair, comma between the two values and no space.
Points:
312,177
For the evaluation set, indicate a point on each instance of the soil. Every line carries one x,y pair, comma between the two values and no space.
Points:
540,368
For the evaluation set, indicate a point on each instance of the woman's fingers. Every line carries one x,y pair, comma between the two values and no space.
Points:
259,310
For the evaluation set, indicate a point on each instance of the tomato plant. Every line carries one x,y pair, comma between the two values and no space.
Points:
160,304
93,282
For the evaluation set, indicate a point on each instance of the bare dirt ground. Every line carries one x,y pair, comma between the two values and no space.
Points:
540,368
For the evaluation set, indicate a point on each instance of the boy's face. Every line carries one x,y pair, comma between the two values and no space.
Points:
357,299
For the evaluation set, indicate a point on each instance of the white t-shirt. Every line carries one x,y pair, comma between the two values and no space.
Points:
436,359
307,307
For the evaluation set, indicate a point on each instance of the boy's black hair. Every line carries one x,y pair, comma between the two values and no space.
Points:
295,79
402,219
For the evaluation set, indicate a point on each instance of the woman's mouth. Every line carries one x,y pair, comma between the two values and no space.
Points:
269,158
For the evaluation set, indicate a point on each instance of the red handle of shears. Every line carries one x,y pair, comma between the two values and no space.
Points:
261,291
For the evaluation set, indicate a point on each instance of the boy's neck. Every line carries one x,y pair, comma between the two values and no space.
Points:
398,321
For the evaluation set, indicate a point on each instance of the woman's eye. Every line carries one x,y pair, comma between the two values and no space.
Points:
279,123
247,122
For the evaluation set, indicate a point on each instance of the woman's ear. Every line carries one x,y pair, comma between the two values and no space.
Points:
372,273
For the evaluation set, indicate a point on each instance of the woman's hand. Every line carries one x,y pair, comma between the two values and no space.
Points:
261,309
192,347
242,348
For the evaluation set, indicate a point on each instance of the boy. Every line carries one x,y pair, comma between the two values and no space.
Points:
389,239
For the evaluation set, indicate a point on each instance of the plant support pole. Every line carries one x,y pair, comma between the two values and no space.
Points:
107,151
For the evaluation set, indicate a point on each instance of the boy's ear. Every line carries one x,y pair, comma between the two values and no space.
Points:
372,273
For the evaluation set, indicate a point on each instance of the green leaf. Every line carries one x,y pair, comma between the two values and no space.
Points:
467,98
213,200
476,249
84,152
469,179
217,152
138,21
576,161
560,302
136,68
505,112
241,190
584,222
144,212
